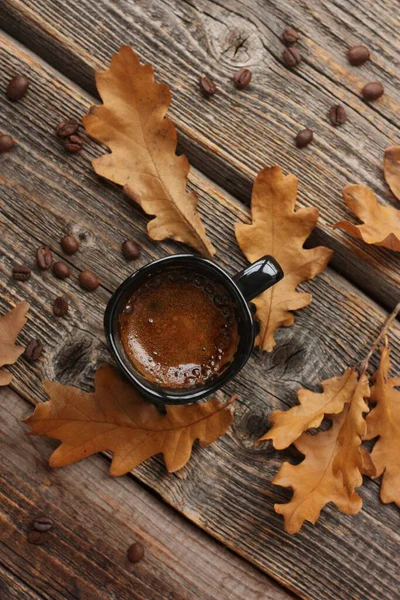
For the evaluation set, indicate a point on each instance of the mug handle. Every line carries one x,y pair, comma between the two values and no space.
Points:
258,277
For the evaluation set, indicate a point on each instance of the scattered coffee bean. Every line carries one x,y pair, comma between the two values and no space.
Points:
21,273
60,306
17,87
207,86
358,55
130,249
88,281
337,115
73,143
42,524
69,244
290,36
6,142
33,351
291,57
304,137
242,78
61,269
67,128
372,91
135,552
44,258
36,537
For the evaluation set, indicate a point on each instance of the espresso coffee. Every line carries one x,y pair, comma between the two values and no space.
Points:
179,329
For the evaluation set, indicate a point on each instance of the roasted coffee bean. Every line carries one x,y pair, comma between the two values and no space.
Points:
36,537
130,249
61,269
42,524
69,244
21,272
33,351
290,36
304,137
358,55
17,87
291,57
60,306
73,143
372,91
44,258
67,128
6,142
242,78
207,86
88,281
337,115
135,552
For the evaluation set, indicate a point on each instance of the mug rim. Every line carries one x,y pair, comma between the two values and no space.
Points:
179,396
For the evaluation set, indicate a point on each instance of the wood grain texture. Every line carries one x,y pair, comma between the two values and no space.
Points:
226,488
96,519
234,134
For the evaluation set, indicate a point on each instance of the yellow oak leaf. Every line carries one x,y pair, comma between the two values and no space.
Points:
349,457
391,169
115,417
278,230
331,469
381,224
132,124
288,425
10,327
384,421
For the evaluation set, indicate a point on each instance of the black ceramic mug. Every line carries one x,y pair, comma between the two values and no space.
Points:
242,288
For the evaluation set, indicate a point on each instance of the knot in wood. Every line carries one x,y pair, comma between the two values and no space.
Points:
235,41
255,425
72,359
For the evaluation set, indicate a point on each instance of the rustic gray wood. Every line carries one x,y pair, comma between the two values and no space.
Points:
225,489
96,518
231,136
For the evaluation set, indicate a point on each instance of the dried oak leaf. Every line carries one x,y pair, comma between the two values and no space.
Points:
116,418
381,224
278,230
384,421
391,169
10,327
332,467
288,425
132,124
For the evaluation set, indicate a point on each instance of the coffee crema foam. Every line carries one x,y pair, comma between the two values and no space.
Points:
179,329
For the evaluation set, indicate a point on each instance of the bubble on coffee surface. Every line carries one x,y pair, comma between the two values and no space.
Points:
128,308
182,331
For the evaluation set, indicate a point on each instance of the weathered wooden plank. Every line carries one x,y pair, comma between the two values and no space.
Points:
96,518
226,489
12,587
234,134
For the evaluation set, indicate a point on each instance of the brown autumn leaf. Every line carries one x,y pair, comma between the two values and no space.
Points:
288,425
332,467
381,224
278,230
391,169
10,327
116,418
384,421
132,124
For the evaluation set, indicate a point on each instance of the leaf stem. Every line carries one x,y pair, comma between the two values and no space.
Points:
363,366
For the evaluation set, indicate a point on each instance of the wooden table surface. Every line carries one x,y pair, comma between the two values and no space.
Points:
210,531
